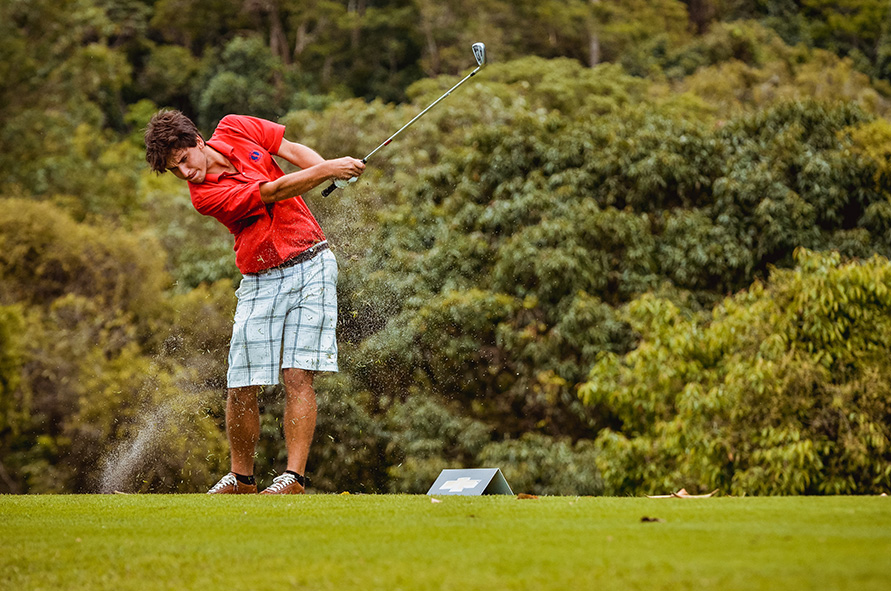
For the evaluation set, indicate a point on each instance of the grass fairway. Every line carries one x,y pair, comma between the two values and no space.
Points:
462,543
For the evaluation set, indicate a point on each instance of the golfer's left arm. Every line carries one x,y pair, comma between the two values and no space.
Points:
315,171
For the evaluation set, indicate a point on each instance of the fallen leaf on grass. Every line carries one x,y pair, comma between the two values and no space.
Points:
526,496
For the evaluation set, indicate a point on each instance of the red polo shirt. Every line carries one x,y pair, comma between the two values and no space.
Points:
265,235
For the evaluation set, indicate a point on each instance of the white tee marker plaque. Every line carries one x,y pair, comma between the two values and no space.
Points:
478,481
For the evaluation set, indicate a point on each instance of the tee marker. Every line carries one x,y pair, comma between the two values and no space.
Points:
471,482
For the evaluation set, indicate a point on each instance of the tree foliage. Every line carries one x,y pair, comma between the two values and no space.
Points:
96,372
497,276
780,389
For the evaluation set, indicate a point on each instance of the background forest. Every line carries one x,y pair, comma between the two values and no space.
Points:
645,249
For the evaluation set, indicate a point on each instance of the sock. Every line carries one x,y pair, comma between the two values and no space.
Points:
245,479
300,477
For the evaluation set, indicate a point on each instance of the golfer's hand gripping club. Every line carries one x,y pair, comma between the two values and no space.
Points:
479,53
339,184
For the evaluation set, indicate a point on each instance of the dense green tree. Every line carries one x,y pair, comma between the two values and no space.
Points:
167,76
60,97
246,78
13,413
197,24
781,389
94,390
853,28
493,280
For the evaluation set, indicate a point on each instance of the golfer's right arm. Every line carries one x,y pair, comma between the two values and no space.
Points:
297,183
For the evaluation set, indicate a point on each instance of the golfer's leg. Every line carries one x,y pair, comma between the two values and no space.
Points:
243,427
300,416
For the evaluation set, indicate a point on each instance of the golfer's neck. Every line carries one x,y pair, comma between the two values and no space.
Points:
216,162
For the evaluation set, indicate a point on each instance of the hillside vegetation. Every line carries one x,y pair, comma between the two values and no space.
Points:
646,247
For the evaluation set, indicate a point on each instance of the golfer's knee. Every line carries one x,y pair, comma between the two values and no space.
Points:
243,396
298,380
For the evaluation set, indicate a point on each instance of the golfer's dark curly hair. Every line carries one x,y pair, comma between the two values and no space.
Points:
167,132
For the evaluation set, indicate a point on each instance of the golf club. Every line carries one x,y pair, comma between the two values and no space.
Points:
479,52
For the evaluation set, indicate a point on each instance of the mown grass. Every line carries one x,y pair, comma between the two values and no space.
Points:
461,543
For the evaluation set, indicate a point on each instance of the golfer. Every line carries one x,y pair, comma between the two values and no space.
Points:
287,302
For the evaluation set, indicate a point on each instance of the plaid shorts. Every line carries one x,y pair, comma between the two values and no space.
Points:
285,318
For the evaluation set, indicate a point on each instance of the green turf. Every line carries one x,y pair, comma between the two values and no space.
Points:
462,543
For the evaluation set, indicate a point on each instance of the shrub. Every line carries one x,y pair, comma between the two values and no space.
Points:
783,390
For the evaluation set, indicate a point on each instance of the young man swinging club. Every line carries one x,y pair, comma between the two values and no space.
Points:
287,303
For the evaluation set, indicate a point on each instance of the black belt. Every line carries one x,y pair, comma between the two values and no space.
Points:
300,258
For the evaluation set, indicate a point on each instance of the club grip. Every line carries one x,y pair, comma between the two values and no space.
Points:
328,190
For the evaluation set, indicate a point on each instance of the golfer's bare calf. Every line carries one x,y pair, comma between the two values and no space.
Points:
243,421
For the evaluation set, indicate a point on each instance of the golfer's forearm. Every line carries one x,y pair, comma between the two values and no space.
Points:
295,183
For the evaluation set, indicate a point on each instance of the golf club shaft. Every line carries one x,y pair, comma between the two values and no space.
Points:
421,114
327,191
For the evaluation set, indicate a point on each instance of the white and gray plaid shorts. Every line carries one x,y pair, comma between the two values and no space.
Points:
285,317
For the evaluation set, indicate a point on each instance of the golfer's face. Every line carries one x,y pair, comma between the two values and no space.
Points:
189,164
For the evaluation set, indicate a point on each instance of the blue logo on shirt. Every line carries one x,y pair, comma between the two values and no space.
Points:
255,155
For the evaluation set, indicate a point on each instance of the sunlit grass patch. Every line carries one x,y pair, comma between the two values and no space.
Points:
408,542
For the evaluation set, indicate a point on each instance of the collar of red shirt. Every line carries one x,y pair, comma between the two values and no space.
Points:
229,152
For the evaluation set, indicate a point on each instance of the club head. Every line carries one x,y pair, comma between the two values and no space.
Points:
479,52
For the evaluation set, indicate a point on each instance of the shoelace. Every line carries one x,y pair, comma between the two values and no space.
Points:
227,480
282,481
